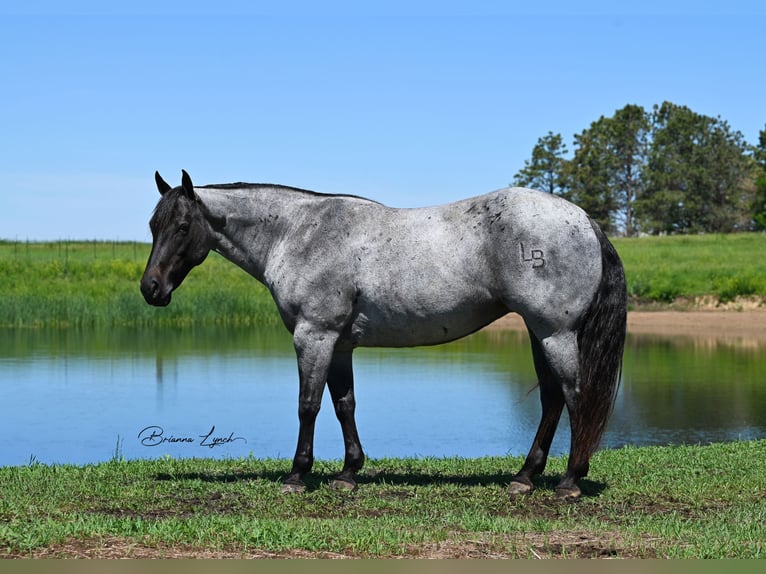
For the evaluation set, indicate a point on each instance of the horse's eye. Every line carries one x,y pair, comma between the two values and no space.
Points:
183,229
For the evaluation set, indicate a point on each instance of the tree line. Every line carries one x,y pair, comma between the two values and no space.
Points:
669,170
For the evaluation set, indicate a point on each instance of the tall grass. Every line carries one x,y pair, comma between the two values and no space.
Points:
89,284
96,284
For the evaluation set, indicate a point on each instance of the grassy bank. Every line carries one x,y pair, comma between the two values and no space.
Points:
723,267
640,502
88,284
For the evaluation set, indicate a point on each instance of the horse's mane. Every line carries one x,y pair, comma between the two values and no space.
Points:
256,186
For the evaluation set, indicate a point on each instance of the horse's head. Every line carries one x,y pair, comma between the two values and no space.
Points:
182,238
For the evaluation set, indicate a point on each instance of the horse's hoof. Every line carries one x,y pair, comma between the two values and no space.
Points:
567,493
516,488
345,485
293,488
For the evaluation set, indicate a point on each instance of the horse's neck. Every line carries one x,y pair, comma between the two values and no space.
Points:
255,221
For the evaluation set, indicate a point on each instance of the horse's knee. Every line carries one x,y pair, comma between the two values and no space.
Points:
345,408
308,410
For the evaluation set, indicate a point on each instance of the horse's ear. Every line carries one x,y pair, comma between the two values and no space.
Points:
187,185
162,185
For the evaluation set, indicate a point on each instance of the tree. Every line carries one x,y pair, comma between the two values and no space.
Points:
605,177
759,196
668,171
629,154
696,176
544,171
587,175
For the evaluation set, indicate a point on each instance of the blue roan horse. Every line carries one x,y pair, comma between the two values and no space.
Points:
347,272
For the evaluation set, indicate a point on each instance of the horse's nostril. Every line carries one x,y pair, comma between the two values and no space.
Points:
154,291
150,287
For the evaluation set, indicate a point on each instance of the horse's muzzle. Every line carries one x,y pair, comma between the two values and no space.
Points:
153,291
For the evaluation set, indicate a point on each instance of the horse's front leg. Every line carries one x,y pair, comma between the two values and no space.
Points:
314,348
341,384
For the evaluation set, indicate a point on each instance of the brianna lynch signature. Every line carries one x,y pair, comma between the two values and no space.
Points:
155,436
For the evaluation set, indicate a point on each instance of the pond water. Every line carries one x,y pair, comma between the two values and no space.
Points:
71,396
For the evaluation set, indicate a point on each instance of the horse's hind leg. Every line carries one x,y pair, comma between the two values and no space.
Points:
341,383
562,356
552,400
582,445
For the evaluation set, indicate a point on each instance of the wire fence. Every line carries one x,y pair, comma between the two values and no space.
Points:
66,249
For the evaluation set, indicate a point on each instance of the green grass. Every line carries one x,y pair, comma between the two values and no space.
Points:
668,502
662,269
96,284
87,284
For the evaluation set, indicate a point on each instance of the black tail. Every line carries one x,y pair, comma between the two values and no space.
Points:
601,339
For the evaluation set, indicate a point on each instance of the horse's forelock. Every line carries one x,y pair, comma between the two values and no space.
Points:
164,212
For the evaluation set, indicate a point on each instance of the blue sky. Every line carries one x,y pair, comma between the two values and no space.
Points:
409,103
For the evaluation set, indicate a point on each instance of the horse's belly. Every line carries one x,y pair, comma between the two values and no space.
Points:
385,327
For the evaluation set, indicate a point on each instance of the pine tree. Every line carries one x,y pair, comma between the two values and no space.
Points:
697,174
605,177
759,200
544,170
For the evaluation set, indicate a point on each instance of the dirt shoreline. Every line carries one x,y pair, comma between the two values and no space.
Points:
707,324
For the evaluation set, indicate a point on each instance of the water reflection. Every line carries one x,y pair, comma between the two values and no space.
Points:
77,396
690,390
